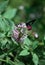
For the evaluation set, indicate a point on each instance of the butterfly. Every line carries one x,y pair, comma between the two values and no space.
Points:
29,24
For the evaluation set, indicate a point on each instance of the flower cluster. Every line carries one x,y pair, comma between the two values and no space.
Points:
20,32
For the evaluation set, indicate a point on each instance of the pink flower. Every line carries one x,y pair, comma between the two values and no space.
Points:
16,34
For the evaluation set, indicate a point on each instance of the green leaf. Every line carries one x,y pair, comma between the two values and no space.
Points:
4,25
35,44
35,59
42,62
14,41
44,37
4,41
3,5
17,62
44,53
9,61
9,14
2,35
27,42
3,55
26,47
24,52
11,25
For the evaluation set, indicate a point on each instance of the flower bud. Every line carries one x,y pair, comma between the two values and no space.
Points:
36,35
21,7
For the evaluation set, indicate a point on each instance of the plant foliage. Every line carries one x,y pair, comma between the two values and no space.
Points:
32,50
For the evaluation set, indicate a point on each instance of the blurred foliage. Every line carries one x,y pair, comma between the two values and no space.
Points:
32,50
